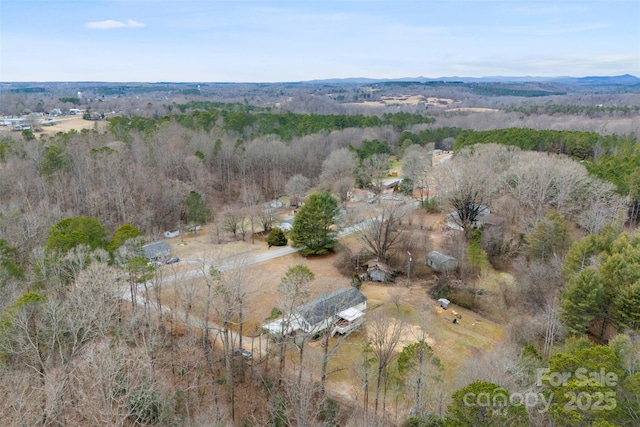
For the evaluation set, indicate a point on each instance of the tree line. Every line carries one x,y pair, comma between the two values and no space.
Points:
589,110
249,123
614,158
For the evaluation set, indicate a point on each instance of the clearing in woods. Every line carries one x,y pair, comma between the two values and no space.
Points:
453,343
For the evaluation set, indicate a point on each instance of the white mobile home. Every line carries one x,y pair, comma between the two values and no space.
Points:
337,308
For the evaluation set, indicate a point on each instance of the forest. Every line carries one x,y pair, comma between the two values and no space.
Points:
555,269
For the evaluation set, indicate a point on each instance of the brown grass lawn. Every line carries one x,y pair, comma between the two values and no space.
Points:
452,343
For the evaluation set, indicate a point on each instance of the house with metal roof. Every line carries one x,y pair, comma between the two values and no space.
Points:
337,308
378,271
157,250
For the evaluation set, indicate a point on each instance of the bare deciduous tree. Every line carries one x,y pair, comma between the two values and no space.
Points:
212,279
602,206
383,335
297,187
424,372
305,402
233,221
230,296
382,235
373,170
340,163
417,167
468,182
293,291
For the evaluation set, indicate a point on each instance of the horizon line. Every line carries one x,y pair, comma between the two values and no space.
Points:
533,78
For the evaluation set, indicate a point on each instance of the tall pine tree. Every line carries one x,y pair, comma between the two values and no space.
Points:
312,225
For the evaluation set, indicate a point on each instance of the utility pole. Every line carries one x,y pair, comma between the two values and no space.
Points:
409,269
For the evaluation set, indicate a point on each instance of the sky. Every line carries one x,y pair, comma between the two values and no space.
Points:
299,40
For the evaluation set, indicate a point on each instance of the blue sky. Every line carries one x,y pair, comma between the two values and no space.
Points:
274,41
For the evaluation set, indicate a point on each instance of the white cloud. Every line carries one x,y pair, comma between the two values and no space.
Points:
134,24
110,24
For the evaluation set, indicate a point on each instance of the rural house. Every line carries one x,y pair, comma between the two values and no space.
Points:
286,224
378,271
342,309
440,262
277,203
157,250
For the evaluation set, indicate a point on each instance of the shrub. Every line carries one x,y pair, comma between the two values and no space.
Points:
276,238
145,406
356,282
275,313
431,206
329,412
429,420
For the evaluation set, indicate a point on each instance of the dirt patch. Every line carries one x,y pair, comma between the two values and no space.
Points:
410,335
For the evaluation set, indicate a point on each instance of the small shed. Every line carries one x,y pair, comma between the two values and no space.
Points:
156,250
444,303
378,271
440,262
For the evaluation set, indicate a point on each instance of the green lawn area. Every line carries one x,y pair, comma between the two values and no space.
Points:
395,165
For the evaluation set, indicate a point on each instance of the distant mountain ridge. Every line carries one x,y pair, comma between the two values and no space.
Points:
624,79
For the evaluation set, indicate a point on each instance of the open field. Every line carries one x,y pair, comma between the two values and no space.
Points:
407,100
63,124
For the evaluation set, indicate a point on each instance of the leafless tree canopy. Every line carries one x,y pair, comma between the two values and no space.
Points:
384,233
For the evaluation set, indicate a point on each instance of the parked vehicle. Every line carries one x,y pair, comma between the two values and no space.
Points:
246,354
172,260
172,233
